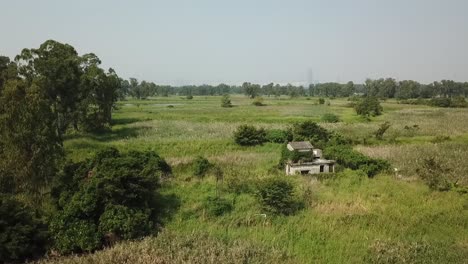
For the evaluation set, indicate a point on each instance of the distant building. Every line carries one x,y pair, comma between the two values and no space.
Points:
308,160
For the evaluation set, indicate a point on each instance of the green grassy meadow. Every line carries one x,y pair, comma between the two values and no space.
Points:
347,218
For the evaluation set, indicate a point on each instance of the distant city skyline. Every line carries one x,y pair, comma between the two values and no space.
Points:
210,42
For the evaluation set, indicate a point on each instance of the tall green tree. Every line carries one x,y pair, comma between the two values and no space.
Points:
135,88
55,68
30,145
100,92
7,70
251,90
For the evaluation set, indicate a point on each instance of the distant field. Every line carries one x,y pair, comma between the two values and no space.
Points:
351,219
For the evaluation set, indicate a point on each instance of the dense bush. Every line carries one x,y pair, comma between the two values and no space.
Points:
382,129
226,101
330,118
22,234
369,106
246,135
434,175
418,101
438,102
189,97
258,101
217,206
201,166
276,196
321,101
449,102
106,198
349,158
311,131
278,135
458,102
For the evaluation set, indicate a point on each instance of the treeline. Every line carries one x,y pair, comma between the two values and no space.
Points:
381,88
408,89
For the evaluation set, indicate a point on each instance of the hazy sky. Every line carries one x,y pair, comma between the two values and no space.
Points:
200,41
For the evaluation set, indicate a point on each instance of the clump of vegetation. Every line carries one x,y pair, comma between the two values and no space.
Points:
201,166
434,175
276,195
217,206
294,156
105,199
189,97
382,129
330,118
278,135
258,101
226,101
369,106
321,101
449,102
246,135
22,234
349,158
310,130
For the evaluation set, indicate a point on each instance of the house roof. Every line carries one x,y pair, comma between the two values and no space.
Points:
301,145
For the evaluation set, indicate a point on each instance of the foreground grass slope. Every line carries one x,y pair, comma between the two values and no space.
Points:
347,219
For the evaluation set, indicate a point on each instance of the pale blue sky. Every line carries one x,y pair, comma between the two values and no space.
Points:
212,41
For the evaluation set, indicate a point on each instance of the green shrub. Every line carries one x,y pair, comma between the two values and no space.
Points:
330,118
278,136
226,101
239,184
349,158
441,102
458,101
310,130
124,222
258,101
189,97
434,175
22,235
246,135
276,196
369,106
217,206
201,166
110,194
321,101
72,234
382,129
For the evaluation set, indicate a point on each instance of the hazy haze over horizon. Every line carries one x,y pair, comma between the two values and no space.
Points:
195,42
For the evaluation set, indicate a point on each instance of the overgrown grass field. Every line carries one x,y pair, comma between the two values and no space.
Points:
347,218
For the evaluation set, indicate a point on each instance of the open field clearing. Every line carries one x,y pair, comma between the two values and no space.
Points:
392,218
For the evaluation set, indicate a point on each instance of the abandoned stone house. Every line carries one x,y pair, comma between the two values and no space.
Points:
310,161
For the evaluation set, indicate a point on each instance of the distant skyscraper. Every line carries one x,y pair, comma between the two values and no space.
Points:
310,77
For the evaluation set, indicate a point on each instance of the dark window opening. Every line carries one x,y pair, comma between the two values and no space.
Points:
322,167
303,172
